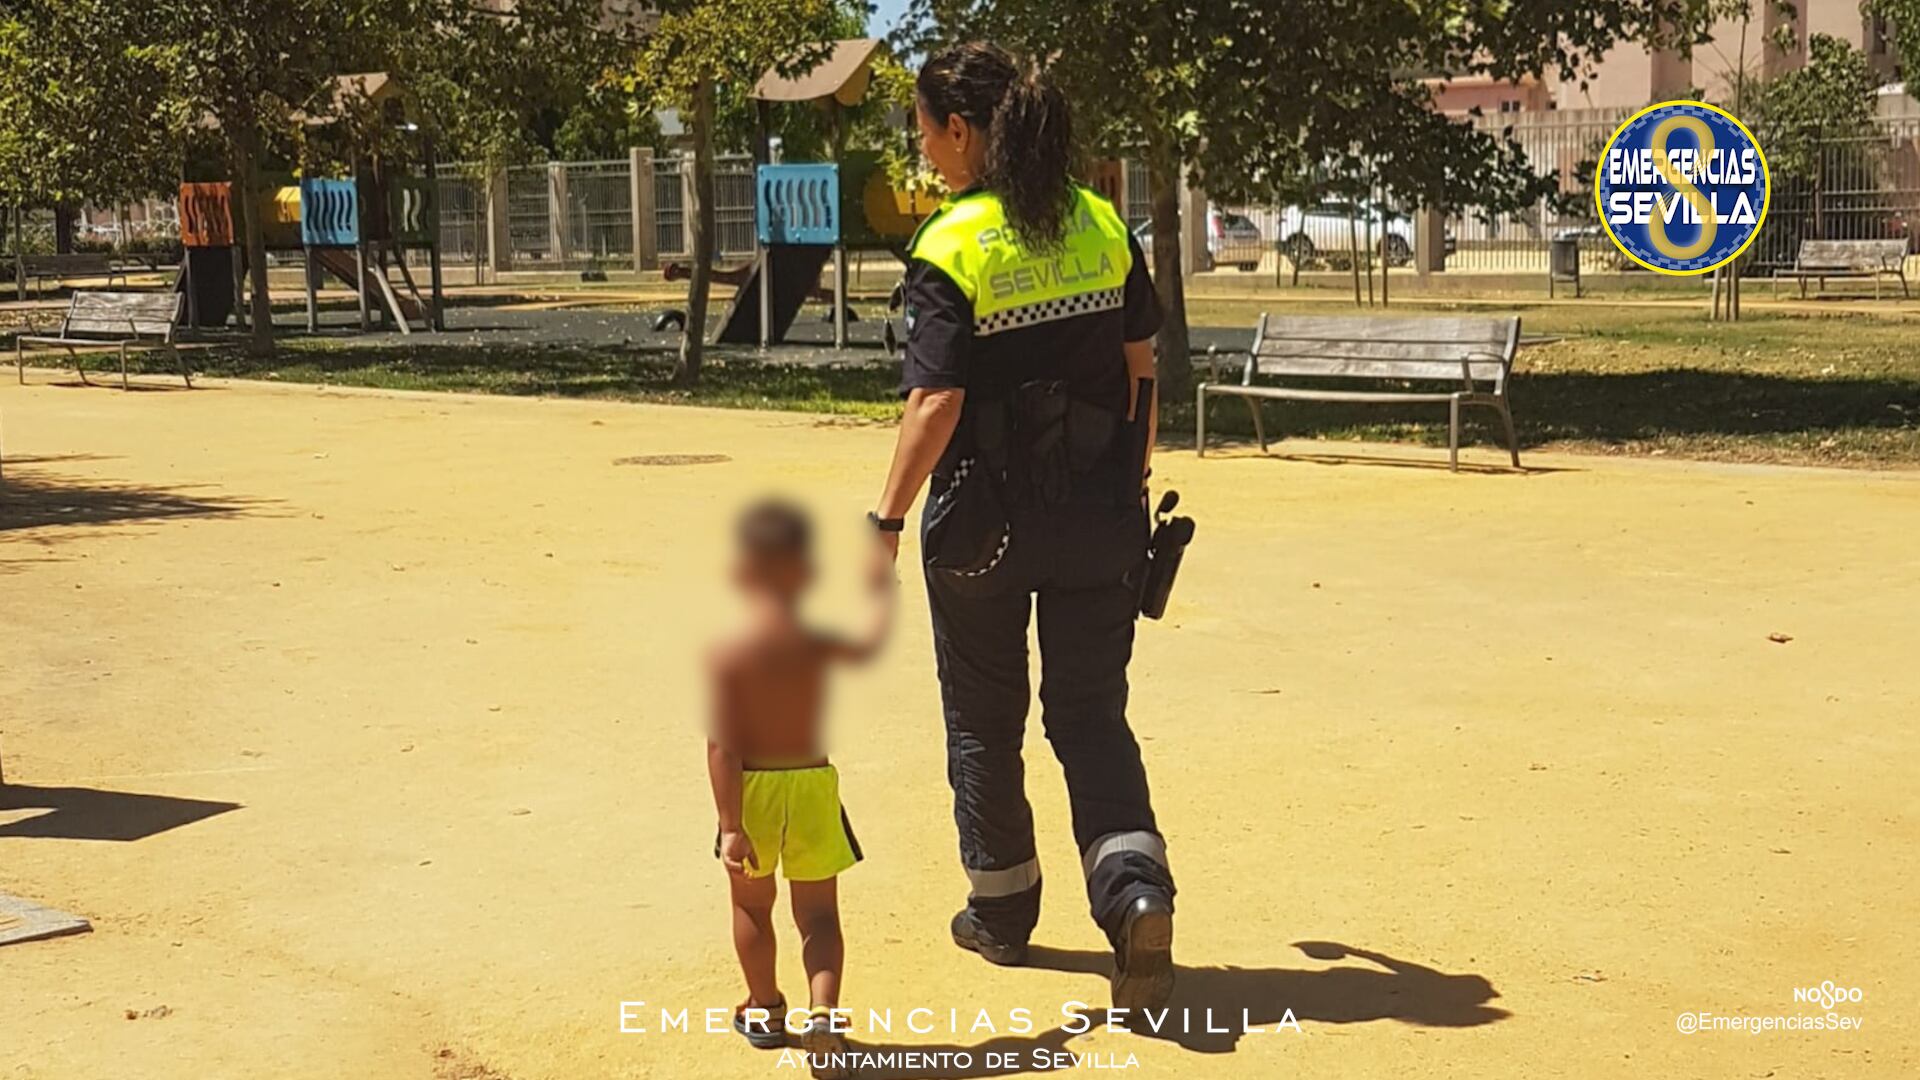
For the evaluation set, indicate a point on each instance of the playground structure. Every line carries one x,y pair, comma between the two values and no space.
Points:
797,216
808,214
211,261
348,229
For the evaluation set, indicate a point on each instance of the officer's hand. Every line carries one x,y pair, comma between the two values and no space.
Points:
890,543
736,852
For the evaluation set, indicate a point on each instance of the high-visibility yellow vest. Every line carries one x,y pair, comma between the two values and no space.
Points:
969,239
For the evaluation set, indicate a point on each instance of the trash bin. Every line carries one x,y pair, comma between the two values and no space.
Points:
1563,263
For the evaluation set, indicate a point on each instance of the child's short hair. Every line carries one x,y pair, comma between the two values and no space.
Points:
774,528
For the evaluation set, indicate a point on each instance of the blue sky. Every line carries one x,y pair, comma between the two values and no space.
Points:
886,13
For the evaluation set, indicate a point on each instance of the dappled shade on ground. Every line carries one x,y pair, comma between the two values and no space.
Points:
33,496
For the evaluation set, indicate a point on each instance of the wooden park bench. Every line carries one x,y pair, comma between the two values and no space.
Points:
97,320
60,268
1460,361
1823,259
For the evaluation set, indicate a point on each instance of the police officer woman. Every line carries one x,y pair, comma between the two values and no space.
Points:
1029,323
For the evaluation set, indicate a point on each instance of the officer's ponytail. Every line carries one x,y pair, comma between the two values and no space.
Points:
1028,127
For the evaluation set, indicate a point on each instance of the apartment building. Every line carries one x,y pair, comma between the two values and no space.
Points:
1634,75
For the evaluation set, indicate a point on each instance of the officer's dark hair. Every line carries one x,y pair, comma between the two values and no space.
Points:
1028,127
774,528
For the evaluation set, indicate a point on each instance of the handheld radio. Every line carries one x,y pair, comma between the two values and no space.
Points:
1171,535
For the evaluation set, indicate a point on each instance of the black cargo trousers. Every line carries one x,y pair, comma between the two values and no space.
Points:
1078,563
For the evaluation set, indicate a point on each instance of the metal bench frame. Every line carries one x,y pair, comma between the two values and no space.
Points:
1874,259
90,325
1474,352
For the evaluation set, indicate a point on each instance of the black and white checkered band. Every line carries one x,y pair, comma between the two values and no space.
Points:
1045,311
960,473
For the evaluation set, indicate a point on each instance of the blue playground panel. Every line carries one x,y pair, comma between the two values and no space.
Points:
329,213
798,204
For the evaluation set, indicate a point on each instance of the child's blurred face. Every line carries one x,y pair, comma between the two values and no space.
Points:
784,575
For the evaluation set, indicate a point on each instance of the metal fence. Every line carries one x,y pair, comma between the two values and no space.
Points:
595,199
463,221
574,214
1861,184
144,225
1332,234
733,204
529,214
1855,185
669,207
1565,146
1139,208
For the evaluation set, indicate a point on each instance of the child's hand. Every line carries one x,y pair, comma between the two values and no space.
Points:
882,575
736,852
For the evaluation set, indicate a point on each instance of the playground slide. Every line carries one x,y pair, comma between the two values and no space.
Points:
339,263
796,277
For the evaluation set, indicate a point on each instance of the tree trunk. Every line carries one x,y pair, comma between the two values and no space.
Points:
63,220
700,217
1175,347
246,185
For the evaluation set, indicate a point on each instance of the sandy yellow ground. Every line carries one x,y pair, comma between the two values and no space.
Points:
1521,745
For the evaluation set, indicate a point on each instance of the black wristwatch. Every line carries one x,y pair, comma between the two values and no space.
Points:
887,525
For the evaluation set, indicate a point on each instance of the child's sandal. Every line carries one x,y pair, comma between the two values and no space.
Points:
767,1034
826,1049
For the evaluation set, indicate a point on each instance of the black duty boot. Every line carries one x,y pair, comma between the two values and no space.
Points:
1143,959
970,935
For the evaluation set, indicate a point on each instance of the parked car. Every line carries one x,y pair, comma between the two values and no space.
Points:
1306,234
1232,240
1329,227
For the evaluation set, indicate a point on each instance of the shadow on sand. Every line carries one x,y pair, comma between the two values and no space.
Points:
1232,448
77,813
1213,1007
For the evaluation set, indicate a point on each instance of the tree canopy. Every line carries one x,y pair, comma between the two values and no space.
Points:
89,114
696,53
1832,97
1270,98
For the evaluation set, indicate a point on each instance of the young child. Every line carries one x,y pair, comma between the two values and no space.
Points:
778,798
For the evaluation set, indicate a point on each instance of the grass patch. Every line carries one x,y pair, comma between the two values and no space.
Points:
1829,388
735,379
1840,388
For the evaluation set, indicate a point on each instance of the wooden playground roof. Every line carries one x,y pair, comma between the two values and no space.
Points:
372,85
842,76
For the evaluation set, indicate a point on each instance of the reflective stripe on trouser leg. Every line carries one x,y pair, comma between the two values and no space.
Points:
1149,844
1123,867
1014,880
980,650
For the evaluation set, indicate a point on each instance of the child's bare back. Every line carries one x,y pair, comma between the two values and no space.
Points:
777,798
769,691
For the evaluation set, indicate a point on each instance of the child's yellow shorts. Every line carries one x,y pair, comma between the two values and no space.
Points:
793,816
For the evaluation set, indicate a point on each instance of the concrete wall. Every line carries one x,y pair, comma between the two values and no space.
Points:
1457,97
